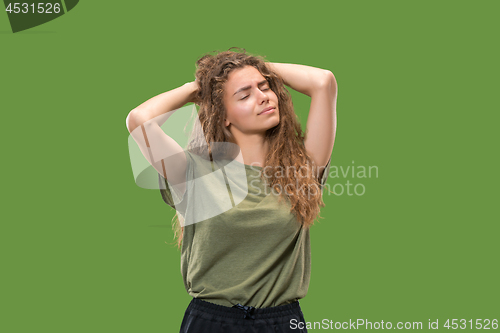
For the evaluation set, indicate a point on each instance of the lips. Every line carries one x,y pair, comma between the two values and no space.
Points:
267,109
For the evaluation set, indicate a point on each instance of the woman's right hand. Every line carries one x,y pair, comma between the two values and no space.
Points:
195,86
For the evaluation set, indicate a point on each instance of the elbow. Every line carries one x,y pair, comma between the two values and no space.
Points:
132,121
327,81
128,120
330,77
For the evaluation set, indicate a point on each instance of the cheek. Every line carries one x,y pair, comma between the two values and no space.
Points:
274,96
244,109
241,111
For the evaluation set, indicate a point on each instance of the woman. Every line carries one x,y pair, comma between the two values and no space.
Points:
245,259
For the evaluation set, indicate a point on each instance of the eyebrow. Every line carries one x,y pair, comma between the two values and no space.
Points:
248,87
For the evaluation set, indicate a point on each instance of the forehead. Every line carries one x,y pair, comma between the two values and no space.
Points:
241,77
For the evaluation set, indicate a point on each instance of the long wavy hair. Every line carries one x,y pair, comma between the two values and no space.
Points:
286,140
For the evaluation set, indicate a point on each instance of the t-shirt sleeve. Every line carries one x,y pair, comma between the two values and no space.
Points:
324,176
170,194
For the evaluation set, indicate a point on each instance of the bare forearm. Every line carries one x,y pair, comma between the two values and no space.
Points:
163,103
304,79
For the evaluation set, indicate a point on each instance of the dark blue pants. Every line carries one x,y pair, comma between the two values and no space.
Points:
206,317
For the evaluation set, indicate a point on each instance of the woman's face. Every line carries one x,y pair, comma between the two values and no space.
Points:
246,94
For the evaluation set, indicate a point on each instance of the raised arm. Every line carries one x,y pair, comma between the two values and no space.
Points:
321,86
160,150
154,108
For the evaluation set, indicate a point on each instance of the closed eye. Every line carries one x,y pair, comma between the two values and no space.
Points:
249,95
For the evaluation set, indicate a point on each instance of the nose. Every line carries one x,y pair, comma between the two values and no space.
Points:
262,96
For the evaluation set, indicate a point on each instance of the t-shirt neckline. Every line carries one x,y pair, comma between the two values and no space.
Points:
249,166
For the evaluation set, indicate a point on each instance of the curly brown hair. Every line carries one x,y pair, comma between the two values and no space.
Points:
286,140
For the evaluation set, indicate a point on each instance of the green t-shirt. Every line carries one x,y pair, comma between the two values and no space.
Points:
240,245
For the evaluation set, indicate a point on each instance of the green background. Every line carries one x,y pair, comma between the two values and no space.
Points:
83,248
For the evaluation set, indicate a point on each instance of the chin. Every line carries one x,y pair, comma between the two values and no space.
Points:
275,124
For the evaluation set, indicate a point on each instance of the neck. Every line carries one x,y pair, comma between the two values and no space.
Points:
254,148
